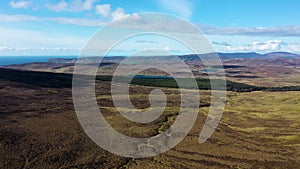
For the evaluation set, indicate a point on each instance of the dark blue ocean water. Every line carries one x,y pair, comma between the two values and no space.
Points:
8,60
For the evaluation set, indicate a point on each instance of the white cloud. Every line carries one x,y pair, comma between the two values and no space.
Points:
44,49
23,40
16,18
20,4
59,49
286,39
6,48
271,45
293,47
167,48
106,12
23,49
62,20
156,22
67,20
220,43
88,4
183,8
78,21
284,31
60,6
252,31
72,6
103,10
118,14
267,46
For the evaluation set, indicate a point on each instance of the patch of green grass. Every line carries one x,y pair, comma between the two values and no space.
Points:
265,114
288,139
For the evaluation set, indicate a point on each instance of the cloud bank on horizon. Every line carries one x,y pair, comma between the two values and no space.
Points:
62,27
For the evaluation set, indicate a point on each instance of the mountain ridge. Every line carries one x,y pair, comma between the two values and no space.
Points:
192,57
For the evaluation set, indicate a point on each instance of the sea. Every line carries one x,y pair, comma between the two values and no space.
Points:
9,60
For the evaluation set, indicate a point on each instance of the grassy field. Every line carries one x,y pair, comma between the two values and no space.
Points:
39,129
272,116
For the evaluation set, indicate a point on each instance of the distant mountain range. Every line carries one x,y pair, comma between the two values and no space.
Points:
190,57
249,55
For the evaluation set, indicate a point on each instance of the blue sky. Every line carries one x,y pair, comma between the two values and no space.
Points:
62,27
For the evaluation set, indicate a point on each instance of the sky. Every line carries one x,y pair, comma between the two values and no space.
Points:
62,27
